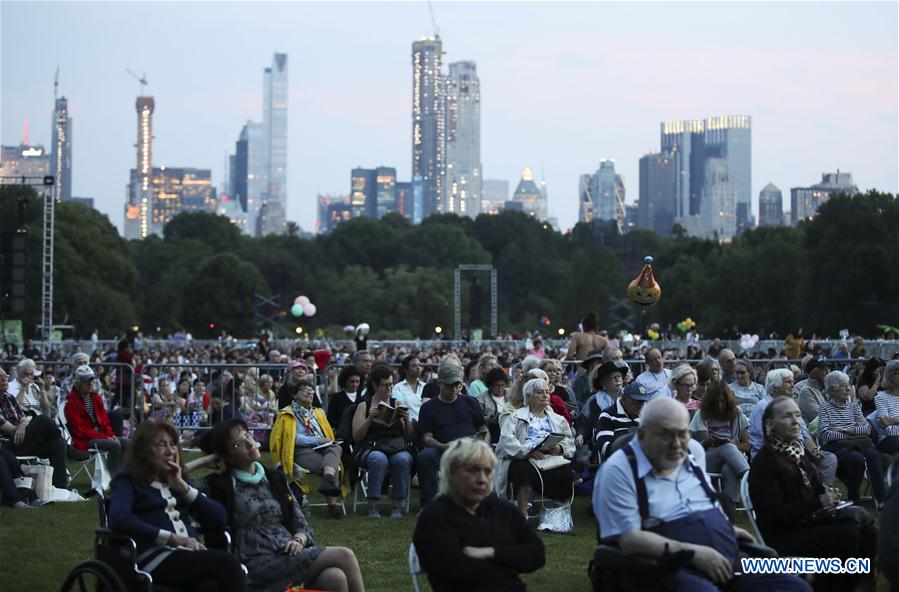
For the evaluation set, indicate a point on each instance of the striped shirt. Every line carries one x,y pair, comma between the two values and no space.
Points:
89,407
833,417
613,422
887,405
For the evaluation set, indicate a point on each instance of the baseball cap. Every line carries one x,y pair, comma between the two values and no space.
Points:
636,391
84,373
449,374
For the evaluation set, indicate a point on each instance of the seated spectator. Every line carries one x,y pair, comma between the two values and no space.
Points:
27,391
224,402
847,434
887,405
582,386
524,461
151,503
515,394
723,431
34,435
558,394
166,403
655,379
348,381
620,418
485,364
811,395
746,391
786,490
869,384
268,529
383,444
607,380
779,383
303,437
295,374
683,383
87,421
443,419
9,472
411,388
654,498
727,362
468,539
493,400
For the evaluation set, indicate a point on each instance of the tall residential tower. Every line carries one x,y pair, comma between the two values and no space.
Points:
429,124
463,140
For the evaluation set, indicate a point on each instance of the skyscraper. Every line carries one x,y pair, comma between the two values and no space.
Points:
702,187
605,190
658,203
28,161
528,197
463,140
61,157
586,211
176,190
805,201
771,209
139,208
274,138
429,124
495,194
363,192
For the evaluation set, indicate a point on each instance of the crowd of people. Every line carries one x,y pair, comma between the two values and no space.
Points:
488,434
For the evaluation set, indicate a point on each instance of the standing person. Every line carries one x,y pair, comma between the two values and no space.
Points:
655,378
382,445
794,344
151,503
409,390
587,341
468,539
270,533
443,419
87,421
887,404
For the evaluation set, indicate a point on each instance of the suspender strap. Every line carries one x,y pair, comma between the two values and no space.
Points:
713,495
642,496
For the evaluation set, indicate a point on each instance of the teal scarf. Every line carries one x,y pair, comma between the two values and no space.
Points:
247,477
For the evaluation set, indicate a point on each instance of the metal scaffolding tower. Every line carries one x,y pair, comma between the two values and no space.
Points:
457,298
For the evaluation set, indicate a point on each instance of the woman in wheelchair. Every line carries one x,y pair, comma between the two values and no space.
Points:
151,503
269,531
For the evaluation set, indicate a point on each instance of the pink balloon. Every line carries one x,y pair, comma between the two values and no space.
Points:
309,310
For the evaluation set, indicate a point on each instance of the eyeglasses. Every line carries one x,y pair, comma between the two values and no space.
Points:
246,440
670,435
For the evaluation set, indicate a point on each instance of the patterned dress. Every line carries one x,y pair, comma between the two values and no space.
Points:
262,535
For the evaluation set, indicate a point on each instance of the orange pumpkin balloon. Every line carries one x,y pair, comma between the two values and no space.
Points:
645,290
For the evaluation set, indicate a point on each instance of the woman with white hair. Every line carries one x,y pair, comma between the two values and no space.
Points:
467,539
27,391
683,383
747,392
845,431
887,404
535,448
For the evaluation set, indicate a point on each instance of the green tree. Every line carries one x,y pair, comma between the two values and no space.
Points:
221,293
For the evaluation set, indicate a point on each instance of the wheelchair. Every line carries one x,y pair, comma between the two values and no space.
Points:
114,567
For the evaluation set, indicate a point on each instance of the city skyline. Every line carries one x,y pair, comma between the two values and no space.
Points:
350,87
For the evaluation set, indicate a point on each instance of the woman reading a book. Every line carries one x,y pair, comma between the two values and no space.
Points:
302,437
535,448
382,431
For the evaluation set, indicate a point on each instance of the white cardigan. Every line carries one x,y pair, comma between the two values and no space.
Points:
511,442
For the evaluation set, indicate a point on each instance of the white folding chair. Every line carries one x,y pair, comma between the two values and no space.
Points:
747,505
415,569
84,465
360,492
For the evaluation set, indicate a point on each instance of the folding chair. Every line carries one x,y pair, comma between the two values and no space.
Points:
747,506
360,492
83,465
303,474
415,569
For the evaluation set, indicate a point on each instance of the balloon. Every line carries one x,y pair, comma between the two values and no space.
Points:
301,300
645,290
349,329
296,310
309,309
363,329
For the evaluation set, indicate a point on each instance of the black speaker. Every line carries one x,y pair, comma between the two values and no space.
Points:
13,258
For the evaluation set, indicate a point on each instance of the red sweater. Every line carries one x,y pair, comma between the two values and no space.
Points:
80,426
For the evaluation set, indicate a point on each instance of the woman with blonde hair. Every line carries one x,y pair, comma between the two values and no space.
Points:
486,363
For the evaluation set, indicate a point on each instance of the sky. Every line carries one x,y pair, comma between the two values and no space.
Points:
563,85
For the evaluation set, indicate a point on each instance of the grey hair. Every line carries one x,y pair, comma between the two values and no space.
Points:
745,364
532,385
461,452
834,379
483,361
775,379
76,356
680,372
891,369
529,363
24,365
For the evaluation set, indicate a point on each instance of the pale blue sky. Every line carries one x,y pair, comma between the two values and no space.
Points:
563,85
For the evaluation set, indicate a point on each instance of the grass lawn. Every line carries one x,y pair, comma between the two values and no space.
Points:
40,547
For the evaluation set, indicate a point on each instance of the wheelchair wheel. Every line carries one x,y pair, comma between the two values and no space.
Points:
94,576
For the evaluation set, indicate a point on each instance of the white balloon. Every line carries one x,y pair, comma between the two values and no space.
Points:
363,329
302,300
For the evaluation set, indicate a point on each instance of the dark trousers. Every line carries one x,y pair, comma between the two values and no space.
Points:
853,462
428,462
114,450
554,483
42,439
889,445
201,571
9,470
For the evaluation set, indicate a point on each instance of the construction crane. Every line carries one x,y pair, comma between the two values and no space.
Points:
141,79
433,19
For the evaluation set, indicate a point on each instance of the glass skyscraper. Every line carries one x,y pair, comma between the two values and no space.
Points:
657,205
429,124
274,139
771,209
463,140
61,157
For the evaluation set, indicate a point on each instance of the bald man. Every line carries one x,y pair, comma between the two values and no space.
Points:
676,509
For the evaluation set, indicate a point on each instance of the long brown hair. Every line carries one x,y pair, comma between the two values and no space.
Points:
140,447
719,402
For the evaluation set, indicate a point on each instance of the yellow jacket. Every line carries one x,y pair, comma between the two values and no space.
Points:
283,440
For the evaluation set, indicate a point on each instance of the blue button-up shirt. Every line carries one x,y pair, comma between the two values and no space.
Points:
670,498
656,384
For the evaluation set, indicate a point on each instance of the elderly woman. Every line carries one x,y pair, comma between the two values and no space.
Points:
295,374
886,402
151,502
787,491
302,437
28,391
684,382
485,363
467,539
515,396
526,459
269,530
746,391
493,400
845,431
723,431
381,442
558,394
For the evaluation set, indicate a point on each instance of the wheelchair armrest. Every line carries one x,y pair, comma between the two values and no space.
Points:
755,549
216,538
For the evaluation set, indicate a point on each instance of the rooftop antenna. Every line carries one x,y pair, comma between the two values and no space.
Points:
141,79
56,85
433,19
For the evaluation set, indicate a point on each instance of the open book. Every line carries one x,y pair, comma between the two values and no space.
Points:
326,444
551,441
386,414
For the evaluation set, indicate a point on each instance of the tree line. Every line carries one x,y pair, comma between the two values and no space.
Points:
838,270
